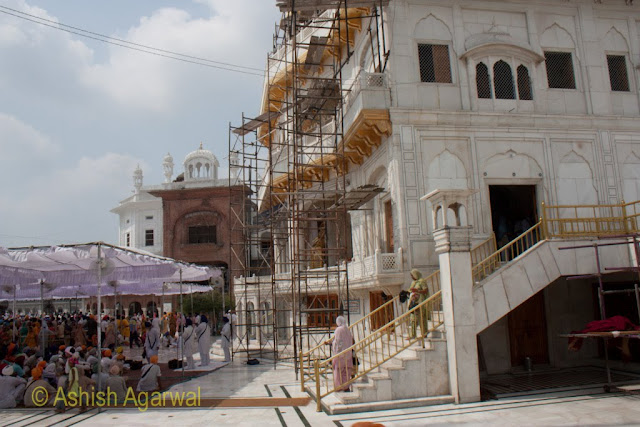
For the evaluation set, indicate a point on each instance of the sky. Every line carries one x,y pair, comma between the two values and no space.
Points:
78,115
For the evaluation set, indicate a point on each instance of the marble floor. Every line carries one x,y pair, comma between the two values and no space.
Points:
580,406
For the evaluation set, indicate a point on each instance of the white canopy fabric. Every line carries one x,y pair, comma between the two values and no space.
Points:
66,271
32,292
79,264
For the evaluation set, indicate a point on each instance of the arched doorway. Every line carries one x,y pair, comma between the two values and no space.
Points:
135,308
152,309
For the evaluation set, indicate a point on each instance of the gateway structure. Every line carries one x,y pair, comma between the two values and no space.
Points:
184,218
468,139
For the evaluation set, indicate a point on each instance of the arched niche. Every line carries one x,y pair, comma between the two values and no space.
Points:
432,28
614,41
557,37
512,165
631,178
446,170
575,181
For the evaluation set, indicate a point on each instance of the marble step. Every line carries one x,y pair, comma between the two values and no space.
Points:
334,406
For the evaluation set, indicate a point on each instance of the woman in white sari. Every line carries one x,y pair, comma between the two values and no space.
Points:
203,336
342,365
188,340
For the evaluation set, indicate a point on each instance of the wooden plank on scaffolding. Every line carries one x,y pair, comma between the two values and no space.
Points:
254,124
298,5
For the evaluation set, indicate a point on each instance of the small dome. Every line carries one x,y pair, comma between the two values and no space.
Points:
200,153
168,158
201,164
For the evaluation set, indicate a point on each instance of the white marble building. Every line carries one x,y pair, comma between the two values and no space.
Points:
523,102
141,214
140,217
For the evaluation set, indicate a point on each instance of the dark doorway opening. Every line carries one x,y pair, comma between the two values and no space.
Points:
513,210
528,332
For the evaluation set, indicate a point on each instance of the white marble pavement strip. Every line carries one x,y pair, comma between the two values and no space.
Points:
558,410
9,417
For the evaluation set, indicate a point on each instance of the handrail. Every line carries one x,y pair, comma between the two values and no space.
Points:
507,253
591,220
359,327
375,349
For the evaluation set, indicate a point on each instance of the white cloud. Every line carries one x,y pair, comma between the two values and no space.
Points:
65,105
71,204
19,140
135,79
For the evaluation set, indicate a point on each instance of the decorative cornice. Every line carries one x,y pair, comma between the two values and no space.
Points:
499,44
365,134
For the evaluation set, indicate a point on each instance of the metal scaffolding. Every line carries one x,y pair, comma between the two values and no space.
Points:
292,282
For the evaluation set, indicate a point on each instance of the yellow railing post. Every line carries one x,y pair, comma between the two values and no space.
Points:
301,372
545,232
316,365
624,217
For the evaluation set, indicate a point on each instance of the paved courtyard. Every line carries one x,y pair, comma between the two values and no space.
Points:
242,385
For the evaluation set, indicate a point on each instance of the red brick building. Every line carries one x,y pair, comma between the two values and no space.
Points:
196,224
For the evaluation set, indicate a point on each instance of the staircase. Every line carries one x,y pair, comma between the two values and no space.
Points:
540,265
391,360
397,370
415,377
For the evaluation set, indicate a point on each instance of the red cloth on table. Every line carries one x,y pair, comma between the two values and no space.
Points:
615,323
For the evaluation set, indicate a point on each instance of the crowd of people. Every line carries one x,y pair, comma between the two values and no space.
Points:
60,353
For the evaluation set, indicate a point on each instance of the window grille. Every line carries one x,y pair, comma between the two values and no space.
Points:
503,81
483,81
202,234
127,239
618,73
435,66
560,73
148,238
524,84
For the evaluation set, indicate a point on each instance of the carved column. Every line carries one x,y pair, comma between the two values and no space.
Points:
452,236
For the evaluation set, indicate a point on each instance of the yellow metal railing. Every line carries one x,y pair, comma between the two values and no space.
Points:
484,250
508,252
339,371
390,309
591,220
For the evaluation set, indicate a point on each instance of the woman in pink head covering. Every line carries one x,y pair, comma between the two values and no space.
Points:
342,365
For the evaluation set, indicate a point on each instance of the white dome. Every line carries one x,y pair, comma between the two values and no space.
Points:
200,165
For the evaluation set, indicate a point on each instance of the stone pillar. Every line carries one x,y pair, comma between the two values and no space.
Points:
453,245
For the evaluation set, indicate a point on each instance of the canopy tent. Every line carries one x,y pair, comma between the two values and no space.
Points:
90,267
32,291
86,263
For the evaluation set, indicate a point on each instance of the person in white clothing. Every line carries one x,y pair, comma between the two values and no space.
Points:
152,340
226,339
203,336
233,321
188,343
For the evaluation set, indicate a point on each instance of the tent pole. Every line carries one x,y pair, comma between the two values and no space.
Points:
115,310
99,330
182,324
15,318
191,290
42,324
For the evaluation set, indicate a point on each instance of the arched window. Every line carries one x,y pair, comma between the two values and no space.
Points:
524,84
503,81
483,81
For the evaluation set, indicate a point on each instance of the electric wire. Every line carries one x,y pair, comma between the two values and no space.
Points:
130,45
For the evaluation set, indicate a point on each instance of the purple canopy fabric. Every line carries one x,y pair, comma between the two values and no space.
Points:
67,269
